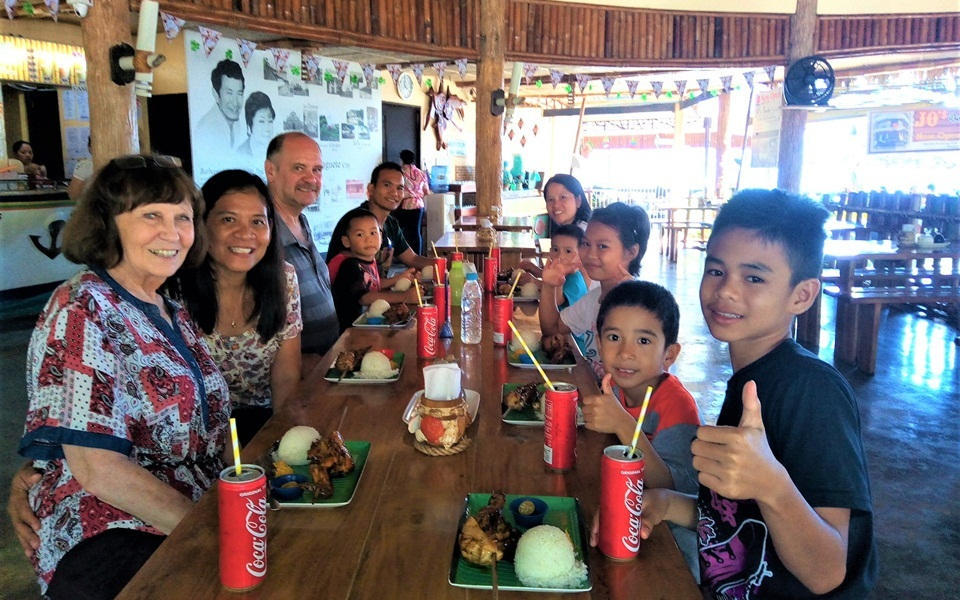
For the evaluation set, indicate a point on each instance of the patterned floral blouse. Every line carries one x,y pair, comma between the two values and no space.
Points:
245,360
105,370
414,181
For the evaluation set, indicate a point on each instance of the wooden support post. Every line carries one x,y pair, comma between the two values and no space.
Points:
723,119
803,35
113,108
489,127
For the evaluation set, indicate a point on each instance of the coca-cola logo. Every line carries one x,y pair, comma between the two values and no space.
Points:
431,326
256,525
633,502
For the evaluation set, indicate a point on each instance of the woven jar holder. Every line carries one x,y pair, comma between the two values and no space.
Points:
445,411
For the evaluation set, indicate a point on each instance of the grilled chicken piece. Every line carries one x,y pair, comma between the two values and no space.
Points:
557,348
496,533
349,360
331,453
320,486
523,396
397,313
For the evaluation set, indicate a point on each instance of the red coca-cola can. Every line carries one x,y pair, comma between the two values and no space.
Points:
490,275
621,498
495,253
428,329
455,256
440,270
243,527
560,427
440,298
501,312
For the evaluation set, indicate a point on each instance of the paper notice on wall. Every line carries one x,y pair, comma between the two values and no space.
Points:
765,145
914,130
230,127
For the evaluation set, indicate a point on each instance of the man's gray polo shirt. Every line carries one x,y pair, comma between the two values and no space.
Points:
320,325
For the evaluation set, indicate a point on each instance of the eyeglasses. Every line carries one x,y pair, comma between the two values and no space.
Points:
139,161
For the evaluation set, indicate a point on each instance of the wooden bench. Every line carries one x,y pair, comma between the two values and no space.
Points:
858,317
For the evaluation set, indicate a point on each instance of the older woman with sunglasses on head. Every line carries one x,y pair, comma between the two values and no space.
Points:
127,415
245,299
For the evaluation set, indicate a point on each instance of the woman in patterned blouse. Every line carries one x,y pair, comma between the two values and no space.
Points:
128,413
246,299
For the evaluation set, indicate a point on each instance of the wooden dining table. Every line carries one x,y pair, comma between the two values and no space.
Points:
513,246
396,538
519,224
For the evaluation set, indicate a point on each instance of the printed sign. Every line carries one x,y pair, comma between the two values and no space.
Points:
915,130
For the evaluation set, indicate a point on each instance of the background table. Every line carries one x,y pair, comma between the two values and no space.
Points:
396,538
519,224
513,246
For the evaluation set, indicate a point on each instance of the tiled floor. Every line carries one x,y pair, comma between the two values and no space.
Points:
911,436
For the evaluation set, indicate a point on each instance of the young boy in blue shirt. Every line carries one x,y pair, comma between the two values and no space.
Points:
784,506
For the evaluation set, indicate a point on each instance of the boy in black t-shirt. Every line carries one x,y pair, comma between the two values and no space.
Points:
358,280
784,508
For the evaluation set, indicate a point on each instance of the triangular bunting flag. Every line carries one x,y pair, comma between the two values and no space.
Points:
28,8
341,67
704,85
770,71
368,70
607,82
9,4
440,68
418,71
246,50
54,7
461,66
529,69
681,86
311,65
748,77
582,80
632,86
726,82
555,77
171,25
280,57
394,71
657,88
210,38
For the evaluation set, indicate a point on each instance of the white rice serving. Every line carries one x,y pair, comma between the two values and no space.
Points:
545,559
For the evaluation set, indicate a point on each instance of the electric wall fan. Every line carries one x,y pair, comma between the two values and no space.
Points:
809,81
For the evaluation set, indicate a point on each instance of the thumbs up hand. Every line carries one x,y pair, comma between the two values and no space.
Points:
604,413
736,462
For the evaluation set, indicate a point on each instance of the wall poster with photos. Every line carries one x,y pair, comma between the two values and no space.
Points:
230,127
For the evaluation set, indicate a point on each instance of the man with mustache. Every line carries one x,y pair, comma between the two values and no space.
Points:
294,169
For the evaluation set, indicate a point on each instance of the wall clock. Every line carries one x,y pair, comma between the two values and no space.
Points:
405,85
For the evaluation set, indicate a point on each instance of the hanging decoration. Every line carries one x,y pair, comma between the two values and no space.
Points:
9,5
748,77
704,85
418,71
536,129
461,66
368,70
210,38
28,8
770,70
529,70
171,25
311,65
657,88
607,82
394,70
246,51
632,87
681,86
510,134
54,7
583,79
280,57
555,77
444,108
520,123
341,67
440,67
727,83
523,140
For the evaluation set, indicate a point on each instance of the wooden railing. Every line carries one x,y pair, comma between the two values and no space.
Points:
562,33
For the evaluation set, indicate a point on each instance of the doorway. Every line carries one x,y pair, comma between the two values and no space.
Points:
401,131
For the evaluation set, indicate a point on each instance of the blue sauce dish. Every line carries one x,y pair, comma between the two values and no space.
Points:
531,520
287,494
374,320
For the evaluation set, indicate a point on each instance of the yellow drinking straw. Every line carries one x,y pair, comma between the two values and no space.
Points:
490,255
516,280
643,412
236,444
530,354
435,255
416,286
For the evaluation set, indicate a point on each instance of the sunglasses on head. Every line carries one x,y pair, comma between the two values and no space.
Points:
139,161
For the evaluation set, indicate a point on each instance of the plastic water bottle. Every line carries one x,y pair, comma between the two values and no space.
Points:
471,306
456,282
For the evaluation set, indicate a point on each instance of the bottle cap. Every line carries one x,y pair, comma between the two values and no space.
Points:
472,276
